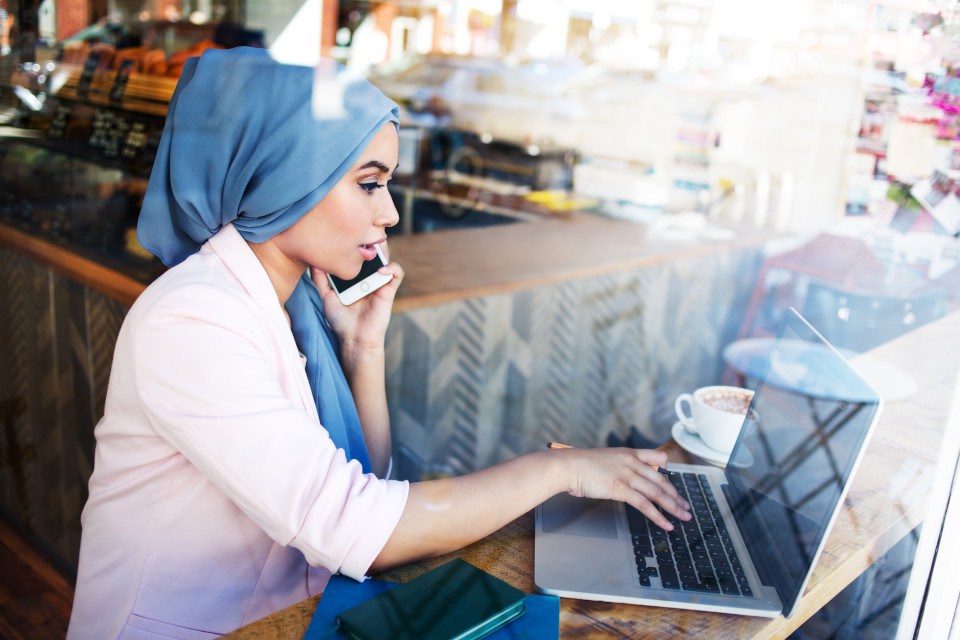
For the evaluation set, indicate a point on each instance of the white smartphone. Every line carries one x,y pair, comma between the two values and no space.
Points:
366,282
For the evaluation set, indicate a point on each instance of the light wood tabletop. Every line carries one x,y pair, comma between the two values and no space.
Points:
886,501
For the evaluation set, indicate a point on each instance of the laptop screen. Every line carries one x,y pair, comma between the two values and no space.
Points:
810,418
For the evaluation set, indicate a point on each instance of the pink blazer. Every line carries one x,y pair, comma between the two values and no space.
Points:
216,496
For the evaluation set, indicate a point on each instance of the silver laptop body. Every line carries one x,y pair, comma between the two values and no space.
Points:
779,495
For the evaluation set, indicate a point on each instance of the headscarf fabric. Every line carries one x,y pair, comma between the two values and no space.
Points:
258,143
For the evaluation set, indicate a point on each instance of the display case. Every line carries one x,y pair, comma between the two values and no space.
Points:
76,154
79,134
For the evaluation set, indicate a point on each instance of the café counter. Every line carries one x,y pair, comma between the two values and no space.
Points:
573,327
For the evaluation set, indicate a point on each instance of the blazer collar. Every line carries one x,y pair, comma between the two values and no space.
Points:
239,258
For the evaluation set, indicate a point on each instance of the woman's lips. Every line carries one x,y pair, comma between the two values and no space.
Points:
368,251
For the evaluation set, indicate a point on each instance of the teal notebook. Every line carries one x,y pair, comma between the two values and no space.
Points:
453,601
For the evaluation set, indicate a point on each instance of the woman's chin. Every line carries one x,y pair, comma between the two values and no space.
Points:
348,275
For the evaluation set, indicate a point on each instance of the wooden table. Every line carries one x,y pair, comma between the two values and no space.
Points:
886,501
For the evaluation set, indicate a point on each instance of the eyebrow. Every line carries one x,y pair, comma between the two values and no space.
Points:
376,164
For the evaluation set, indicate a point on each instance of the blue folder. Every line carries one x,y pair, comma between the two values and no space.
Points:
540,622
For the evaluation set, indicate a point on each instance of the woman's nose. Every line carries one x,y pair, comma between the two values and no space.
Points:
388,215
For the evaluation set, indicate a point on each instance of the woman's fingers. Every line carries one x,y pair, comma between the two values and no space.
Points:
395,270
652,457
649,509
653,489
320,279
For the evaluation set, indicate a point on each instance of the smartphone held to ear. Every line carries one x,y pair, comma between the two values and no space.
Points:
366,282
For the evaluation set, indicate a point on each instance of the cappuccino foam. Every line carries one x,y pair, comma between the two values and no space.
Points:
730,402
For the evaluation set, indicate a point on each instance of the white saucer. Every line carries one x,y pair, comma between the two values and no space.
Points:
693,444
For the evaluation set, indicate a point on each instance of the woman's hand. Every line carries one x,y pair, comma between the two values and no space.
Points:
628,475
360,329
363,324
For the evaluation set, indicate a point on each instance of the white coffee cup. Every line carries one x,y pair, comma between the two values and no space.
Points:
716,414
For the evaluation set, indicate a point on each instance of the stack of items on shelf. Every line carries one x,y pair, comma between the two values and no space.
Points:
143,60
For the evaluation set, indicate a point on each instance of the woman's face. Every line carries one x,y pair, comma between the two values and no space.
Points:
341,232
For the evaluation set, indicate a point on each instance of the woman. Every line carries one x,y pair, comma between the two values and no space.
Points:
245,440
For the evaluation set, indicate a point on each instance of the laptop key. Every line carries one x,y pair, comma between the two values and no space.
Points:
637,522
710,585
729,587
669,579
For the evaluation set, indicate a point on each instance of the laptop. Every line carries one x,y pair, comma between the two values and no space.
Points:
766,513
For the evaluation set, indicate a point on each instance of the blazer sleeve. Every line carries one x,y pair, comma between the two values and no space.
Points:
209,371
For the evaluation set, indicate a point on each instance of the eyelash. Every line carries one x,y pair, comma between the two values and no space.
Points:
371,187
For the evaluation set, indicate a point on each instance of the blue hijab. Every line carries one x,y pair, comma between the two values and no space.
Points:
258,143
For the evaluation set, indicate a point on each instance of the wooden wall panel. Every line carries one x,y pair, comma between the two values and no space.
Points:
55,351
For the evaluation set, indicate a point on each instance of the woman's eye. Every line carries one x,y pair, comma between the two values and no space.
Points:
370,187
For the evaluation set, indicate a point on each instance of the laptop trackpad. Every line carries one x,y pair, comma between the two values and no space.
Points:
567,515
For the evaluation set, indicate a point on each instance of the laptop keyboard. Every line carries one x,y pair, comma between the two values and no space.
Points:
697,555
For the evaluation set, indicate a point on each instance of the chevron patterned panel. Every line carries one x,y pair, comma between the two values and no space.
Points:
476,382
28,375
56,344
13,386
104,317
93,328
